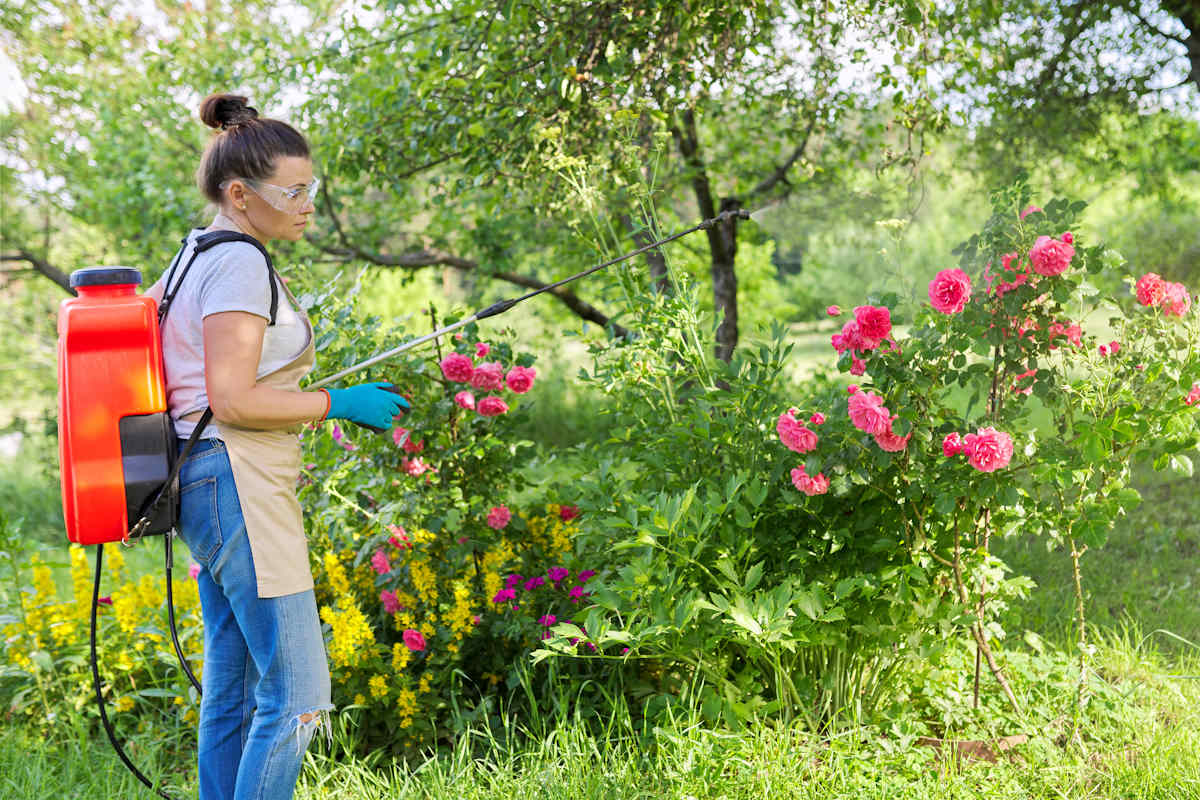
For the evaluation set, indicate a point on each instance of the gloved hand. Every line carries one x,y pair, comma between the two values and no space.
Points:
371,404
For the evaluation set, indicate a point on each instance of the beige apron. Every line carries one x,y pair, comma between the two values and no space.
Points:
266,467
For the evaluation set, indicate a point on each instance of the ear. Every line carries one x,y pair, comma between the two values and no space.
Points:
235,194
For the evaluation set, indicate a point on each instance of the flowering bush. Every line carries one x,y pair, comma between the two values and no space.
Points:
781,566
433,571
45,658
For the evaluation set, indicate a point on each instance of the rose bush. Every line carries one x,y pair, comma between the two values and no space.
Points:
769,568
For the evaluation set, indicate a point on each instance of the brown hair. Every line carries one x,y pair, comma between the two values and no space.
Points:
246,146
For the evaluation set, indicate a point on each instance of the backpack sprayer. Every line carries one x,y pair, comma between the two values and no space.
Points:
117,447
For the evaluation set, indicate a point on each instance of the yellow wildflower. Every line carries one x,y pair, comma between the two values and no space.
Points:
378,686
359,700
124,703
423,686
400,656
351,634
336,572
424,580
406,706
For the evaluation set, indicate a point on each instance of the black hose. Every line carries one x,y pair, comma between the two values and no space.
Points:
170,556
112,736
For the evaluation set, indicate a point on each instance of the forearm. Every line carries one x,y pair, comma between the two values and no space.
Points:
266,408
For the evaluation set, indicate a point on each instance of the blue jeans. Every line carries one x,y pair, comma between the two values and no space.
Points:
266,677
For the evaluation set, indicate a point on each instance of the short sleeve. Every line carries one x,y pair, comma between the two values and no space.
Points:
236,280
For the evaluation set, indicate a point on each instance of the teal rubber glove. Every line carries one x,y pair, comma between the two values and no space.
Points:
371,404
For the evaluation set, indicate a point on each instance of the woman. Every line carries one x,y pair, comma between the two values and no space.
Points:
228,346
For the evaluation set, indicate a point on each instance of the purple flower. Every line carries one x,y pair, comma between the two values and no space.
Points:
558,573
577,593
587,573
504,595
548,620
513,580
534,583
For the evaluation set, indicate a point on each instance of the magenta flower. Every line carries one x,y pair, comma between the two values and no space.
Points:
380,563
465,400
833,311
587,573
194,570
413,640
577,593
534,583
557,574
548,620
482,349
504,595
568,513
512,580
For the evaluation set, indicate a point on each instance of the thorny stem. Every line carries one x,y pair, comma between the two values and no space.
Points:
981,645
1076,554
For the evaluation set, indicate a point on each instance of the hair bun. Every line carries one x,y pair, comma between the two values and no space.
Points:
225,110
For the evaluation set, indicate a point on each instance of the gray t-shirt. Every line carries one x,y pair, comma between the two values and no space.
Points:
228,277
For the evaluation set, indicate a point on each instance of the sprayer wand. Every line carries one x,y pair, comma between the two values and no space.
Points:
504,305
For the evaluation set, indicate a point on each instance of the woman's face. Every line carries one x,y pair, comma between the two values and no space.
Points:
277,207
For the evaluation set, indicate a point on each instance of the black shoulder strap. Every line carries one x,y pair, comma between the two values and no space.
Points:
207,241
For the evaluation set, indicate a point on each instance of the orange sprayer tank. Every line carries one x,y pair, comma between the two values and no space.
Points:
113,430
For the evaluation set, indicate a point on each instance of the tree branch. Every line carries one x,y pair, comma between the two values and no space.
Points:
40,265
780,174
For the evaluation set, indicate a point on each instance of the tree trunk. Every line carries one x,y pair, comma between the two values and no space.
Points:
722,239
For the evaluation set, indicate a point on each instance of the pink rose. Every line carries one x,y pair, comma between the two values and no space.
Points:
194,570
1051,257
793,434
413,640
482,349
989,450
852,388
568,513
1151,289
807,484
488,376
390,604
833,311
492,406
868,413
520,379
874,323
414,467
399,435
1114,348
1068,237
857,366
465,399
1177,301
498,517
817,418
952,445
1193,395
412,447
458,368
1028,390
1029,210
380,563
891,442
949,291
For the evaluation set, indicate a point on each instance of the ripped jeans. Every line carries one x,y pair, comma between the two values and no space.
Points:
266,676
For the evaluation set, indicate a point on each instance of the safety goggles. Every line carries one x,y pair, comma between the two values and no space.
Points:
281,198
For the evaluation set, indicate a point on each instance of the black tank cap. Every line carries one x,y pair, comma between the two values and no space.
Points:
105,276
